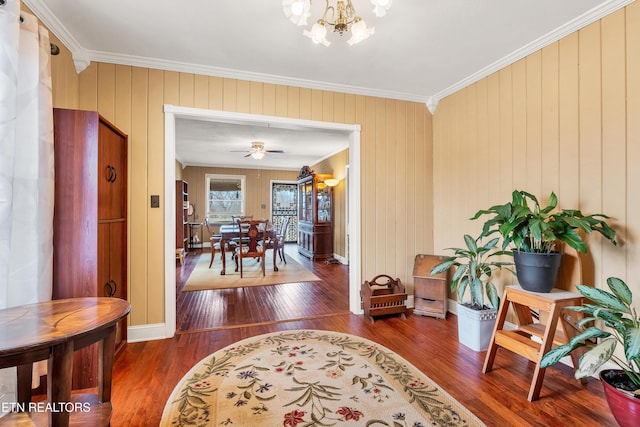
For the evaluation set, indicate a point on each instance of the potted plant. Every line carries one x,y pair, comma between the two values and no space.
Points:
621,386
534,232
475,265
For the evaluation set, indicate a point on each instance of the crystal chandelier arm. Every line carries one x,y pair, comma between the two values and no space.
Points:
350,11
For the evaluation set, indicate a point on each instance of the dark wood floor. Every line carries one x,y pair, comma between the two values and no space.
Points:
146,373
254,305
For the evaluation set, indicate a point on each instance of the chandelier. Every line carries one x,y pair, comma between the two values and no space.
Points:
342,17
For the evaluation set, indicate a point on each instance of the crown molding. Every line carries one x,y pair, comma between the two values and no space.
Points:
82,58
185,67
79,54
572,26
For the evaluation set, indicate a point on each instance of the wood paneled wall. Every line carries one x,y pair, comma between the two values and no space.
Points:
258,184
336,166
396,151
563,119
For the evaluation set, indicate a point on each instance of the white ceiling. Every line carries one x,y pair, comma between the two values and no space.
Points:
215,143
422,50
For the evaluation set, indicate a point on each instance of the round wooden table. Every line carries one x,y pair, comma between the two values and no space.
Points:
52,331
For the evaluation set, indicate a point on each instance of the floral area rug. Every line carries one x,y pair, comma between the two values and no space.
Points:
310,378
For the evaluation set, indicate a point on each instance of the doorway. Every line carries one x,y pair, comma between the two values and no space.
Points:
351,131
284,204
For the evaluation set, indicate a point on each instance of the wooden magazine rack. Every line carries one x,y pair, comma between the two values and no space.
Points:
383,295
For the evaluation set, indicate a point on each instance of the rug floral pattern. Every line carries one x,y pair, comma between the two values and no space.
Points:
310,378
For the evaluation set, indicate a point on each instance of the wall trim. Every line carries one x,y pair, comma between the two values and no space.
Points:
82,57
149,332
572,26
171,112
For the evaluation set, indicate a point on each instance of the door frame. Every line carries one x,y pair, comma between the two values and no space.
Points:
278,181
352,131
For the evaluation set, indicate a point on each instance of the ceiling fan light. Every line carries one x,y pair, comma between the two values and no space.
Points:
258,155
297,10
318,33
381,6
359,32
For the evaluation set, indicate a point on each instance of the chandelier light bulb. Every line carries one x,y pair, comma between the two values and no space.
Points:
381,6
297,10
359,32
318,33
340,15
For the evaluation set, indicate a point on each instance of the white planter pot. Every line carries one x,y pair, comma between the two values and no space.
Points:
475,327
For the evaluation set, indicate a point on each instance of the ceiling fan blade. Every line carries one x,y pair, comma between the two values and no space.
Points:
247,155
273,151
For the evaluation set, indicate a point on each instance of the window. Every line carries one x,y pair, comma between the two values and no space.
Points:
225,197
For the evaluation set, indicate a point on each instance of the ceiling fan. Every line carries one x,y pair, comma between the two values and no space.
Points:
258,152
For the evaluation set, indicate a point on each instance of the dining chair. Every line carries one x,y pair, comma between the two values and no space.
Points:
252,242
214,239
234,219
282,237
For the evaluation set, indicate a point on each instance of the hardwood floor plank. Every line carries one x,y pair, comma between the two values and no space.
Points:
225,308
146,373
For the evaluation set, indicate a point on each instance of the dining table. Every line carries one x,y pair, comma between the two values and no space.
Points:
228,232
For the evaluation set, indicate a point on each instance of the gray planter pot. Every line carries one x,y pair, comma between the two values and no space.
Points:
475,327
537,272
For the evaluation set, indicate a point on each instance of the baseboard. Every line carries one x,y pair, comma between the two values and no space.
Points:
342,259
157,331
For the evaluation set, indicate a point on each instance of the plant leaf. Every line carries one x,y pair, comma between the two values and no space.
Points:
603,298
462,287
492,294
443,266
620,289
471,243
476,292
554,355
632,344
573,239
595,357
584,321
588,334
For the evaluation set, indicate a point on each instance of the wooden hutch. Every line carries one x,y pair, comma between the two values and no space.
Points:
315,215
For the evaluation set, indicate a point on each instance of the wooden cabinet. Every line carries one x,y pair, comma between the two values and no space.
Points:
315,215
430,292
182,215
90,219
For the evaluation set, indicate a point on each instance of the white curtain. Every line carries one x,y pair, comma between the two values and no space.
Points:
26,164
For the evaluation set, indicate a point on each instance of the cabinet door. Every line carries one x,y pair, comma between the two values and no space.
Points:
112,266
112,261
112,173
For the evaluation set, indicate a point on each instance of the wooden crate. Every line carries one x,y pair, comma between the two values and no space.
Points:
430,292
383,295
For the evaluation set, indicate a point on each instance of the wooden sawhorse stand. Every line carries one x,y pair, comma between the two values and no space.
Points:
520,340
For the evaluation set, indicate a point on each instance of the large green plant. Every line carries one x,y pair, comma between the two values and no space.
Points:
474,267
615,311
527,226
